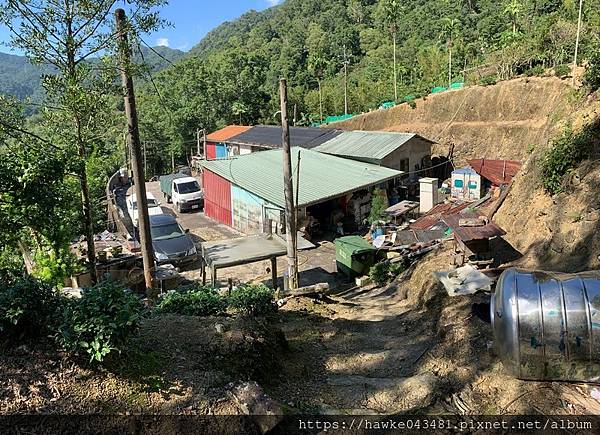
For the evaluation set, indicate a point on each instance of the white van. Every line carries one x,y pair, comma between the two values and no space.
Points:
132,207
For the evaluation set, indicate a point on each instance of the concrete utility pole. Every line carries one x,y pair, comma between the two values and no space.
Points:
290,215
346,63
577,41
133,138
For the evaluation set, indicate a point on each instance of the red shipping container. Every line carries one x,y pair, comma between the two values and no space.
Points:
211,151
217,197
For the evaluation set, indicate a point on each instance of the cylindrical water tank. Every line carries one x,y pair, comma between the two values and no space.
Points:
547,325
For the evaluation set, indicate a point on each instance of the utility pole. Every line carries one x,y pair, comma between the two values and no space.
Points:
290,215
133,138
577,41
346,62
295,114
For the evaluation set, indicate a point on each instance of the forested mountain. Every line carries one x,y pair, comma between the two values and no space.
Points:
21,79
232,74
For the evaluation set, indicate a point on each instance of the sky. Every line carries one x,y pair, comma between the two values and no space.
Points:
191,19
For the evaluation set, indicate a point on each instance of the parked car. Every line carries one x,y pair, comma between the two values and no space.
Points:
132,207
170,242
183,190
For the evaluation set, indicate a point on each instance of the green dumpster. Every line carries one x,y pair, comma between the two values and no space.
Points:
354,255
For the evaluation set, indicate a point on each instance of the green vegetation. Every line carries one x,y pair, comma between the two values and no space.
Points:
100,322
238,64
562,70
566,152
248,299
378,205
384,272
255,300
196,301
592,73
28,309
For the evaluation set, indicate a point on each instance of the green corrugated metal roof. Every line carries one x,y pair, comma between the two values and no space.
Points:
369,146
321,176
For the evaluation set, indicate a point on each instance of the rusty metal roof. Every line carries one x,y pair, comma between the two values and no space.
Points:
467,234
498,172
227,133
434,215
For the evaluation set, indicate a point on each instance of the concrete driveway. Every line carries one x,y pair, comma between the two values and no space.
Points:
205,229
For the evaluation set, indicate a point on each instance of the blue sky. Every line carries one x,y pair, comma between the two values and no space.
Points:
191,19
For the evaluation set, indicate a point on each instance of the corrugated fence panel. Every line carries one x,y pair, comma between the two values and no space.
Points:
211,151
217,197
247,210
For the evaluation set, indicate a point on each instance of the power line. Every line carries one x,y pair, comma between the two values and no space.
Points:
154,51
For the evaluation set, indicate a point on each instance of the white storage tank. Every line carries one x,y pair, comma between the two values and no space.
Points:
466,184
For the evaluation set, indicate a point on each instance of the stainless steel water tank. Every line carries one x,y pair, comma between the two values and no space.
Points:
547,325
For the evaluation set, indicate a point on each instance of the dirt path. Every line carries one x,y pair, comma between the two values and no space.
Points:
403,349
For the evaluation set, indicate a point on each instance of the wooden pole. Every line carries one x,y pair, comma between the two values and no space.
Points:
133,138
577,42
290,221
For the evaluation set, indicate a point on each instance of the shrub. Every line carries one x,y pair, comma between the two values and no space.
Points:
592,72
565,153
488,80
412,104
562,70
378,206
11,266
53,269
101,321
251,299
384,272
28,308
197,301
537,70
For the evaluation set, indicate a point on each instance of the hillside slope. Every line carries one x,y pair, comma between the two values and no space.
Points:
500,121
516,120
21,79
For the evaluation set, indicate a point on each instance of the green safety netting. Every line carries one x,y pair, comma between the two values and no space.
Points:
337,118
387,105
457,85
438,89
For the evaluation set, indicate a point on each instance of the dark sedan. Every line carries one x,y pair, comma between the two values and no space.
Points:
170,242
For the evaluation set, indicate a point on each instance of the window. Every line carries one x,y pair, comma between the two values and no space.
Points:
472,185
458,184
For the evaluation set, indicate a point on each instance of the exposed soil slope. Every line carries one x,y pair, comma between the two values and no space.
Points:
499,121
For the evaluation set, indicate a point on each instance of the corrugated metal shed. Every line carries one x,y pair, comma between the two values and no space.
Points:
369,146
227,132
498,172
217,197
322,176
269,136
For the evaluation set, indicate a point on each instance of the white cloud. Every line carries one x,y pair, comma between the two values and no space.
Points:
162,42
273,2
